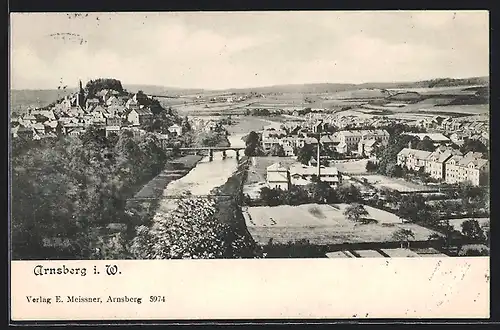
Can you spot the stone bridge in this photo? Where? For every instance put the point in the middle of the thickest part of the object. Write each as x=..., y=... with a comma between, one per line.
x=210, y=150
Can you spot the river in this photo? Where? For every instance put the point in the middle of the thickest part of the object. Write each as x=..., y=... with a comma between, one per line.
x=207, y=175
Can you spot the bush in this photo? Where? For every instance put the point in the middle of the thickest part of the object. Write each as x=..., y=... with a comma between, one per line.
x=371, y=166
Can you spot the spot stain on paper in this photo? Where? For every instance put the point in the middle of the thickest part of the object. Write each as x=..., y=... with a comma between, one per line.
x=465, y=271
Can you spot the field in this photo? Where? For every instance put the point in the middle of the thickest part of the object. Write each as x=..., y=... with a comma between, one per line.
x=479, y=109
x=246, y=124
x=380, y=181
x=352, y=166
x=448, y=90
x=323, y=224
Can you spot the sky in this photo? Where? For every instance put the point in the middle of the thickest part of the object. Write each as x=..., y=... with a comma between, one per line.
x=218, y=50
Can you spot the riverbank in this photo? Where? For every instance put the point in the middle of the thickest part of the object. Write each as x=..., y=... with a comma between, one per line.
x=145, y=202
x=228, y=202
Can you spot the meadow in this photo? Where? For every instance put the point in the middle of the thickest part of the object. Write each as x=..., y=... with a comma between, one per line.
x=323, y=224
x=381, y=181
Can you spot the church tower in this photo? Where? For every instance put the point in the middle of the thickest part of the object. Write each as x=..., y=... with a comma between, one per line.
x=80, y=97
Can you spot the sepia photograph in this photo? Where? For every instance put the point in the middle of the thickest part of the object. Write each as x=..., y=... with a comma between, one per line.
x=249, y=135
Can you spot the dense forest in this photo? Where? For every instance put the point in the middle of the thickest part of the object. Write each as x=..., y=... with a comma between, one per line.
x=69, y=188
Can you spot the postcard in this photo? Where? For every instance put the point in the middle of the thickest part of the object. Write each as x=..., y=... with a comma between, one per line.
x=249, y=165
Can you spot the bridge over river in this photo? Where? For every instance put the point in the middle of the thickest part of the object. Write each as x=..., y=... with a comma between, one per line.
x=210, y=150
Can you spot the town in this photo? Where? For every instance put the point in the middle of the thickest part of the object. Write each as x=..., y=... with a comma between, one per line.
x=375, y=173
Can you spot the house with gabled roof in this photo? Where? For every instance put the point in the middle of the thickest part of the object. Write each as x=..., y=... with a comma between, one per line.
x=412, y=159
x=278, y=176
x=470, y=167
x=435, y=165
x=367, y=147
x=142, y=116
x=90, y=103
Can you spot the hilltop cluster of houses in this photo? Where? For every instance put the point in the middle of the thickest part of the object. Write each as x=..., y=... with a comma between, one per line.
x=281, y=176
x=293, y=136
x=446, y=164
x=108, y=109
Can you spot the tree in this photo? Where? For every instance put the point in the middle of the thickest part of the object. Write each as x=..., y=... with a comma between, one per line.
x=252, y=143
x=355, y=212
x=426, y=144
x=403, y=235
x=186, y=126
x=190, y=231
x=320, y=192
x=277, y=151
x=305, y=153
x=413, y=207
x=394, y=170
x=296, y=195
x=271, y=197
x=348, y=193
x=475, y=146
x=472, y=230
x=94, y=86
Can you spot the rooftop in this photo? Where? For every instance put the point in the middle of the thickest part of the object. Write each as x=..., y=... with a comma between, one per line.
x=420, y=154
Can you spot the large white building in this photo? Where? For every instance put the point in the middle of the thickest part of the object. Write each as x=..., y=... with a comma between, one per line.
x=278, y=176
x=435, y=163
x=412, y=159
x=352, y=138
x=471, y=167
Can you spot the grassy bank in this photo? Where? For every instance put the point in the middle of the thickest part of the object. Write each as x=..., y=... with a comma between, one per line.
x=145, y=202
x=228, y=200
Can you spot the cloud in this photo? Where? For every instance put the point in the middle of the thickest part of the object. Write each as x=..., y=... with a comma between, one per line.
x=222, y=50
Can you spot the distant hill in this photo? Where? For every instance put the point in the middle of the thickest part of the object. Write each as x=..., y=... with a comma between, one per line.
x=438, y=82
x=297, y=88
x=339, y=87
x=21, y=99
x=162, y=90
x=24, y=98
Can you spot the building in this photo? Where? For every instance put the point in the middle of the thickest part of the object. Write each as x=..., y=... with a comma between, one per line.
x=470, y=167
x=351, y=138
x=132, y=104
x=91, y=103
x=458, y=138
x=278, y=177
x=269, y=142
x=412, y=159
x=112, y=129
x=142, y=116
x=436, y=138
x=319, y=126
x=175, y=129
x=435, y=164
x=112, y=119
x=367, y=147
x=300, y=172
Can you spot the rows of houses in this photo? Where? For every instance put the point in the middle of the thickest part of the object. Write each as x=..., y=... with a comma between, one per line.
x=281, y=176
x=474, y=127
x=446, y=164
x=294, y=137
